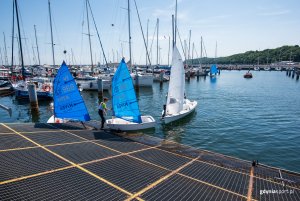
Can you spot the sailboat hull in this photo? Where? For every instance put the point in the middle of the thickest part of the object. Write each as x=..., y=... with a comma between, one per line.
x=123, y=125
x=188, y=108
x=40, y=95
x=53, y=120
x=92, y=85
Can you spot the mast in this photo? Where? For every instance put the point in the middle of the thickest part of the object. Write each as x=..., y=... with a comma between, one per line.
x=216, y=52
x=169, y=51
x=201, y=52
x=88, y=24
x=20, y=41
x=5, y=50
x=175, y=23
x=193, y=48
x=98, y=37
x=53, y=59
x=157, y=47
x=37, y=47
x=147, y=43
x=129, y=35
x=173, y=33
x=189, y=53
x=12, y=39
x=1, y=56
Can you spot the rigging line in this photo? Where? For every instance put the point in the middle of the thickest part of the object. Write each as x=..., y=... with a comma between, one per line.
x=25, y=37
x=137, y=11
x=153, y=39
x=82, y=26
x=180, y=42
x=97, y=33
x=12, y=38
x=1, y=59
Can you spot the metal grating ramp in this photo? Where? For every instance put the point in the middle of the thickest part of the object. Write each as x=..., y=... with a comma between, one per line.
x=50, y=138
x=82, y=152
x=66, y=162
x=126, y=172
x=70, y=184
x=12, y=141
x=181, y=188
x=26, y=162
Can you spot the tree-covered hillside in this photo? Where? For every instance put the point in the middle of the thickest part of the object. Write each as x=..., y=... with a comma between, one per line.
x=267, y=56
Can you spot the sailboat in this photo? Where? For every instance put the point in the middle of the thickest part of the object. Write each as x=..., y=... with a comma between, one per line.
x=68, y=103
x=213, y=70
x=177, y=105
x=126, y=110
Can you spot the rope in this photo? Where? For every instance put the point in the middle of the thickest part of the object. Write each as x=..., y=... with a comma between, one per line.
x=2, y=95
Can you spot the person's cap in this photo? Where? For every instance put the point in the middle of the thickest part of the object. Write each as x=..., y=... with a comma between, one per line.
x=105, y=98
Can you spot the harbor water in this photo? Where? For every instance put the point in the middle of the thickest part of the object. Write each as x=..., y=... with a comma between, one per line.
x=252, y=119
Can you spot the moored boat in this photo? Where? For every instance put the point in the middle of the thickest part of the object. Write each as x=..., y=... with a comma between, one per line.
x=68, y=103
x=177, y=106
x=126, y=110
x=248, y=75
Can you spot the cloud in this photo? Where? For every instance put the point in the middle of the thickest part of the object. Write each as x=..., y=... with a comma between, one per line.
x=275, y=13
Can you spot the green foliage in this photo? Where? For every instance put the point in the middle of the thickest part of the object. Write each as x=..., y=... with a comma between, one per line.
x=267, y=56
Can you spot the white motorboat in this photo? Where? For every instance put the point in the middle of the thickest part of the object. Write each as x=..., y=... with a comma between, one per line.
x=144, y=79
x=89, y=83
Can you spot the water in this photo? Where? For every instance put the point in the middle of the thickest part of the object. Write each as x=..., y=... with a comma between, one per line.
x=258, y=118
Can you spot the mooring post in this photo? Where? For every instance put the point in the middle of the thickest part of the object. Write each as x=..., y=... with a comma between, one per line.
x=188, y=74
x=293, y=75
x=297, y=76
x=100, y=88
x=136, y=82
x=33, y=96
x=161, y=77
x=287, y=72
x=219, y=71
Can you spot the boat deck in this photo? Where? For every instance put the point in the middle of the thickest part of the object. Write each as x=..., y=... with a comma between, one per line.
x=67, y=162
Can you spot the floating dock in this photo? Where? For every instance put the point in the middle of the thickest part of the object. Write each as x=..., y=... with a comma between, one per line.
x=68, y=162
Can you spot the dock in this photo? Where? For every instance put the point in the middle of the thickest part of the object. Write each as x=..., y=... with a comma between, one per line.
x=69, y=162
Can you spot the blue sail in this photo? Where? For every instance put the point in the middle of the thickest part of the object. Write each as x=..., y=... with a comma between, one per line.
x=68, y=103
x=213, y=69
x=124, y=100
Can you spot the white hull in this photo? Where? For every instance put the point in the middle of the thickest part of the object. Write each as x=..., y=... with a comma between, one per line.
x=123, y=125
x=92, y=85
x=53, y=120
x=188, y=107
x=144, y=80
x=156, y=78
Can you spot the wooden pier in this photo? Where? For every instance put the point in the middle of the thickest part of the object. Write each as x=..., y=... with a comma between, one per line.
x=67, y=162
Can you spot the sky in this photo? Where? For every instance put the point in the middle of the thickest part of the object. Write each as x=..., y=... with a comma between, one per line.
x=236, y=26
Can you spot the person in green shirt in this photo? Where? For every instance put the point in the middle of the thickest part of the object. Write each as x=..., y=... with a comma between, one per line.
x=102, y=109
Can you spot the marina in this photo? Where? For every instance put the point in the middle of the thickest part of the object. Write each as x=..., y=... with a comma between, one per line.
x=128, y=114
x=100, y=165
x=260, y=112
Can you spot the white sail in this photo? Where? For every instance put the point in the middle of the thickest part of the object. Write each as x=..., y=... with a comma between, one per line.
x=177, y=84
